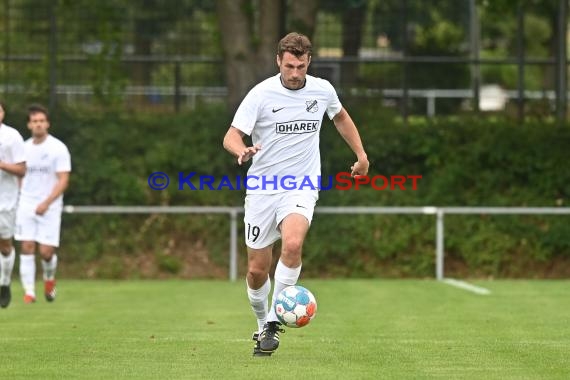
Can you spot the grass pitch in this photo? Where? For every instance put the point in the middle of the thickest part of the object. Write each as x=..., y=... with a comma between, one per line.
x=364, y=329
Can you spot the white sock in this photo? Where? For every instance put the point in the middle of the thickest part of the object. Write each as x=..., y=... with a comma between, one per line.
x=284, y=277
x=7, y=264
x=49, y=268
x=258, y=298
x=28, y=274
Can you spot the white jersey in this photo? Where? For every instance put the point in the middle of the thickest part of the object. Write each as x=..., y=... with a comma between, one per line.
x=12, y=151
x=286, y=123
x=44, y=161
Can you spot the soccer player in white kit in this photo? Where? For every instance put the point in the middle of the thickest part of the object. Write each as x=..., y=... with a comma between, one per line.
x=38, y=219
x=12, y=167
x=283, y=116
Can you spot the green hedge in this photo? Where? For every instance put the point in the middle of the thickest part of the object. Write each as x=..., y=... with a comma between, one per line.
x=463, y=161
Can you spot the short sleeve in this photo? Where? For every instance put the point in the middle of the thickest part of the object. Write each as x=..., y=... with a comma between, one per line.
x=63, y=160
x=18, y=149
x=334, y=106
x=247, y=112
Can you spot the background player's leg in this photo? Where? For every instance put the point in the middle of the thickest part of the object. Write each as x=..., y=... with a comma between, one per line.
x=28, y=270
x=49, y=266
x=7, y=258
x=7, y=255
x=48, y=233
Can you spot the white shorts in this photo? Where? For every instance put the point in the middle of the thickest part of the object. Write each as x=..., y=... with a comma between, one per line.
x=265, y=212
x=7, y=224
x=43, y=229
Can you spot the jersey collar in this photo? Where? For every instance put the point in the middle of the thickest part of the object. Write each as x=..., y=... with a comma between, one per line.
x=291, y=89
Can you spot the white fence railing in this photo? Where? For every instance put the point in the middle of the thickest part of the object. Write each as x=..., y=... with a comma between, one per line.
x=73, y=93
x=233, y=212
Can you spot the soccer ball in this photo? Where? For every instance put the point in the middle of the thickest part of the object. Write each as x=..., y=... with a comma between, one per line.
x=295, y=306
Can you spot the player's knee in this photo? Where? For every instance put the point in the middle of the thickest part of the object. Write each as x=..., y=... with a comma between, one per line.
x=258, y=275
x=46, y=256
x=28, y=248
x=5, y=246
x=46, y=252
x=292, y=247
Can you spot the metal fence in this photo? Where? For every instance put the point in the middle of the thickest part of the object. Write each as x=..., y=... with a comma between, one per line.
x=41, y=51
x=233, y=213
x=189, y=98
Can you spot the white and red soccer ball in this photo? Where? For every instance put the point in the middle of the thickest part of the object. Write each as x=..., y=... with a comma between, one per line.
x=295, y=306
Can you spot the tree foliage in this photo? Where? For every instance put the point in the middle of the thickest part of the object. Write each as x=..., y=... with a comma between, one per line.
x=244, y=33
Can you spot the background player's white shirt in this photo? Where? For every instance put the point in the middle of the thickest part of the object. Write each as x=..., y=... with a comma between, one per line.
x=287, y=124
x=43, y=162
x=12, y=151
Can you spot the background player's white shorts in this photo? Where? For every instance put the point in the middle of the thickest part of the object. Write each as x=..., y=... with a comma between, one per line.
x=43, y=229
x=264, y=213
x=7, y=223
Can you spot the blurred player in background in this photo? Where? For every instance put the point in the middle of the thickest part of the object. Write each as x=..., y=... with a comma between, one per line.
x=12, y=167
x=38, y=219
x=283, y=116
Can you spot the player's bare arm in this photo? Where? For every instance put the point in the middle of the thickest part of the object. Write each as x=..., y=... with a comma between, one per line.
x=18, y=169
x=233, y=143
x=58, y=189
x=347, y=129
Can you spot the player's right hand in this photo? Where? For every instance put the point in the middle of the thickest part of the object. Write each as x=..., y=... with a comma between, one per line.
x=42, y=208
x=248, y=153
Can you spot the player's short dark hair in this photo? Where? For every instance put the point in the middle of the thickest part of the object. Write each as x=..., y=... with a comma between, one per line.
x=296, y=44
x=37, y=108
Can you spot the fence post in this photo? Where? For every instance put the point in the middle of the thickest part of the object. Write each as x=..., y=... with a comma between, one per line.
x=561, y=66
x=52, y=56
x=405, y=94
x=233, y=245
x=474, y=50
x=430, y=103
x=177, y=80
x=439, y=246
x=520, y=62
x=6, y=36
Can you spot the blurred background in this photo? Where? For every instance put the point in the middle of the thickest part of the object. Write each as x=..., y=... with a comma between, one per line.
x=431, y=57
x=470, y=94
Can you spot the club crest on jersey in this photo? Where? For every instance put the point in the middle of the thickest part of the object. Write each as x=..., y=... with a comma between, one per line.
x=312, y=106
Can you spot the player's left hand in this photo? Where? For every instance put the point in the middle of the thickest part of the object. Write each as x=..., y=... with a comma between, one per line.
x=359, y=168
x=42, y=208
x=248, y=153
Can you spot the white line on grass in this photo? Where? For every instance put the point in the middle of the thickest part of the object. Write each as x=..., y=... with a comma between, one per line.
x=466, y=286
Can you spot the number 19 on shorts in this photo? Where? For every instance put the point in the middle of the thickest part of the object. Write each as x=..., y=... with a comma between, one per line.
x=252, y=233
